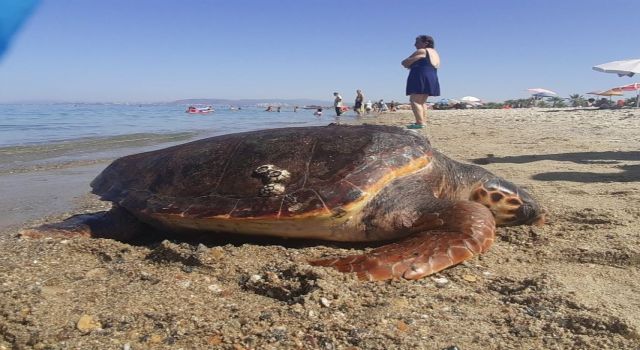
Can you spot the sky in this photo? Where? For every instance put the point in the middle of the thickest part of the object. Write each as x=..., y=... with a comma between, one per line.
x=165, y=50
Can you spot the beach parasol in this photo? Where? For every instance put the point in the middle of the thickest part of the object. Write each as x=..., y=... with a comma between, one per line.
x=630, y=87
x=540, y=92
x=447, y=101
x=610, y=92
x=622, y=68
x=470, y=99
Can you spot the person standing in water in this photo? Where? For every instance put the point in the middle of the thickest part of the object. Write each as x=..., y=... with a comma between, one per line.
x=357, y=106
x=423, y=78
x=337, y=103
x=368, y=106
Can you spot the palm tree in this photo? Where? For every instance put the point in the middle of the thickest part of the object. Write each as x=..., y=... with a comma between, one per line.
x=519, y=103
x=577, y=100
x=492, y=105
x=512, y=103
x=556, y=101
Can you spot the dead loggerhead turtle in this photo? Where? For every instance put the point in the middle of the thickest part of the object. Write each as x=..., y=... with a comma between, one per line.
x=337, y=183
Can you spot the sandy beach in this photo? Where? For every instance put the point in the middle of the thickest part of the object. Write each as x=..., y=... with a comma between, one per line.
x=570, y=284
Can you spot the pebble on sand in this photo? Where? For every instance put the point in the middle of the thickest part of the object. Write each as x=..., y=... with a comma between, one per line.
x=325, y=302
x=88, y=323
x=440, y=281
x=470, y=278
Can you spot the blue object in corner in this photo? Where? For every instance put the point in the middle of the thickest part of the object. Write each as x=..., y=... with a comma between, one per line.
x=12, y=14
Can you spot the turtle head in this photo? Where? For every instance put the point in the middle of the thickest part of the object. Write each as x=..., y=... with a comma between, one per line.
x=510, y=204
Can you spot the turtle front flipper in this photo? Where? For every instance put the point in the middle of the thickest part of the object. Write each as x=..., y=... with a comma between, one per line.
x=116, y=223
x=468, y=230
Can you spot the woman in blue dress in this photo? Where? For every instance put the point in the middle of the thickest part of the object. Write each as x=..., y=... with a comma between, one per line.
x=423, y=78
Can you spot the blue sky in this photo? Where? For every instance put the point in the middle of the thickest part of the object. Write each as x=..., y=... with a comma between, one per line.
x=161, y=50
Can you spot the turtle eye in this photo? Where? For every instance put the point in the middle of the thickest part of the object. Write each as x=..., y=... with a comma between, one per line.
x=496, y=196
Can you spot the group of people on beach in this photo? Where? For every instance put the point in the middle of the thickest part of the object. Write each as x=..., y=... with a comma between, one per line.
x=422, y=82
x=271, y=109
x=360, y=107
x=278, y=108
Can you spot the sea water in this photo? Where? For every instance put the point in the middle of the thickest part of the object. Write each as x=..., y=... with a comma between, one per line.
x=39, y=135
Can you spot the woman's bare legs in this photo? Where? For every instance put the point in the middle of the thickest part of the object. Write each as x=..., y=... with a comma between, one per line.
x=424, y=108
x=418, y=107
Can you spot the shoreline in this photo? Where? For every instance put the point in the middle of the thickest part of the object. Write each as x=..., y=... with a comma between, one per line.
x=571, y=283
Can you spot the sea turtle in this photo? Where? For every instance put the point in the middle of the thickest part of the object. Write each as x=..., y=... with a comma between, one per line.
x=338, y=183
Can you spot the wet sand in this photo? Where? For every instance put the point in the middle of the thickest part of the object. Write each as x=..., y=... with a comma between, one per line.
x=41, y=180
x=30, y=196
x=572, y=283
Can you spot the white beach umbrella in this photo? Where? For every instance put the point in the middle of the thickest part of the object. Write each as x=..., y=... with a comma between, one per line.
x=622, y=68
x=541, y=92
x=470, y=99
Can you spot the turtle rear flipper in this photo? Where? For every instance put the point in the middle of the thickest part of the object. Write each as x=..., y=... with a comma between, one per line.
x=468, y=230
x=116, y=224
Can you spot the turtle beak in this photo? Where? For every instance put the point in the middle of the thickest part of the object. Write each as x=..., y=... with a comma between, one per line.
x=530, y=214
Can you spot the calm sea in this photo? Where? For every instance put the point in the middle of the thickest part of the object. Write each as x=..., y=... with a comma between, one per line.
x=33, y=136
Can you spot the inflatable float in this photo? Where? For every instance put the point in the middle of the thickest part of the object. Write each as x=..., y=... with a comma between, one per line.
x=199, y=110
